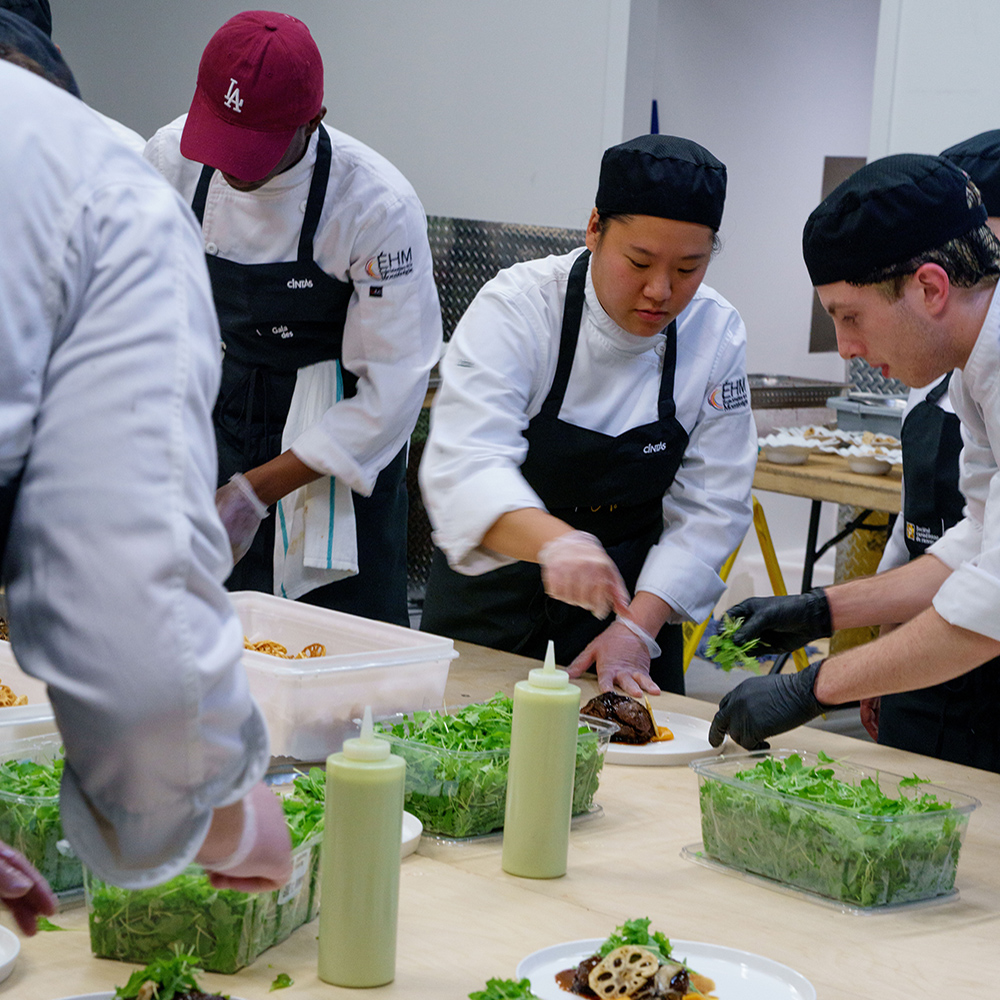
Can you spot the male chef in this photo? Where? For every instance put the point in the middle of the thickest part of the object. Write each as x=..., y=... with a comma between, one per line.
x=904, y=263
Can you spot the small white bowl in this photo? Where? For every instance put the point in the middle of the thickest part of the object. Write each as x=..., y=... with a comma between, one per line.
x=412, y=831
x=868, y=465
x=786, y=454
x=10, y=946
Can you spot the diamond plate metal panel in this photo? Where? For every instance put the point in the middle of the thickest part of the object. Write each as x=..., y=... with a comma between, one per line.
x=864, y=378
x=467, y=253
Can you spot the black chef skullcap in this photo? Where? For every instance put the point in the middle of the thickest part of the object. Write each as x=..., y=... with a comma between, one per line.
x=37, y=12
x=665, y=176
x=19, y=35
x=884, y=214
x=979, y=157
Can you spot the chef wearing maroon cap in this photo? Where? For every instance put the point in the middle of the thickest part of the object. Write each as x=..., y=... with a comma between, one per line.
x=322, y=274
x=592, y=437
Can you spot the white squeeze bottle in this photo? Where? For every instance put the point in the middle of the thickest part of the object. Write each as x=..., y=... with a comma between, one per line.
x=540, y=775
x=359, y=880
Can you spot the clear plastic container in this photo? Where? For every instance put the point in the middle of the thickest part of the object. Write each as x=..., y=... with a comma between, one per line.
x=461, y=793
x=311, y=704
x=225, y=929
x=31, y=823
x=860, y=860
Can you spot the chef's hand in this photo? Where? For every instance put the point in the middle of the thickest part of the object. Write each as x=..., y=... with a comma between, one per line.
x=23, y=890
x=621, y=657
x=241, y=513
x=783, y=624
x=262, y=861
x=869, y=716
x=577, y=570
x=763, y=706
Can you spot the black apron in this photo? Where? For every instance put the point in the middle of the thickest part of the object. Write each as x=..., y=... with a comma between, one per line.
x=8, y=497
x=610, y=486
x=276, y=319
x=956, y=720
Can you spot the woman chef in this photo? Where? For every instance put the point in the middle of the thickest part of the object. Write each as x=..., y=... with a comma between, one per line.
x=592, y=435
x=323, y=281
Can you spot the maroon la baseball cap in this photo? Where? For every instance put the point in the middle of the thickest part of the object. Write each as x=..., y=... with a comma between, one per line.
x=260, y=78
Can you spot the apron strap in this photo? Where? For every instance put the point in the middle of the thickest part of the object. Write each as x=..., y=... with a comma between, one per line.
x=667, y=407
x=317, y=195
x=572, y=314
x=939, y=390
x=201, y=193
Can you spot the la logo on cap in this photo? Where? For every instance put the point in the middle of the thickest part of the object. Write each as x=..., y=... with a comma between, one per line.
x=233, y=99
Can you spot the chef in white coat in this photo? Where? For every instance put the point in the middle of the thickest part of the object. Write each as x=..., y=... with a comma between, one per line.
x=955, y=720
x=112, y=551
x=323, y=281
x=904, y=262
x=592, y=436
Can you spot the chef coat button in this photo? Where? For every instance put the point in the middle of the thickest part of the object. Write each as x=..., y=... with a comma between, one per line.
x=302, y=206
x=661, y=348
x=211, y=248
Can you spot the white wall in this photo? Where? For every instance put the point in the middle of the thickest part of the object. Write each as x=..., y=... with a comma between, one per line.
x=936, y=75
x=493, y=111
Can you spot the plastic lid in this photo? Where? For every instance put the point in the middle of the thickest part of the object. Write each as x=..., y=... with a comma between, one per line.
x=548, y=676
x=366, y=746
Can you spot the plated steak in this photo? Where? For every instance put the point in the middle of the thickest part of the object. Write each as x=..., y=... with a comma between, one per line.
x=635, y=724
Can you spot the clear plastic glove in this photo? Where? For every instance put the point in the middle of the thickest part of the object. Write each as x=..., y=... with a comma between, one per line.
x=262, y=861
x=869, y=716
x=763, y=706
x=783, y=624
x=577, y=570
x=621, y=657
x=241, y=513
x=23, y=890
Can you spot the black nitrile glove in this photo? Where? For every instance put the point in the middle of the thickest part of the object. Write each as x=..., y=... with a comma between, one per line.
x=783, y=624
x=762, y=706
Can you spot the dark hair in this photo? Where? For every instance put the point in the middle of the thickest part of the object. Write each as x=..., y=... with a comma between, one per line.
x=605, y=218
x=9, y=54
x=968, y=259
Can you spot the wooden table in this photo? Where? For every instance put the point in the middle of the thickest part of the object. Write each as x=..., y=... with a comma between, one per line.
x=463, y=921
x=828, y=477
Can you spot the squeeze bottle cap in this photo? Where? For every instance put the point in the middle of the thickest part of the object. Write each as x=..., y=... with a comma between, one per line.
x=548, y=676
x=367, y=746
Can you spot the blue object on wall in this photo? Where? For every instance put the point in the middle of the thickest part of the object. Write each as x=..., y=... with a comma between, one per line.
x=654, y=120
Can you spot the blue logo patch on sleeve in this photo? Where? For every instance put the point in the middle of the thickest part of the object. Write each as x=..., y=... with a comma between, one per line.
x=730, y=396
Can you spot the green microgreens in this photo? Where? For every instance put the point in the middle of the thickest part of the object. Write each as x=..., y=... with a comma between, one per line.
x=727, y=654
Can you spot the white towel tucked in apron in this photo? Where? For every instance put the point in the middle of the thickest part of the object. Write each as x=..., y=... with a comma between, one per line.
x=315, y=541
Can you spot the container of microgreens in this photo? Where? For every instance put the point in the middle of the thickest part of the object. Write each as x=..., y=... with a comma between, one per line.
x=30, y=772
x=456, y=764
x=224, y=929
x=863, y=838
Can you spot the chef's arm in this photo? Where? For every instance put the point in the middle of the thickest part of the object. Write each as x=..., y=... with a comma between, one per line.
x=277, y=478
x=925, y=651
x=887, y=598
x=575, y=568
x=521, y=533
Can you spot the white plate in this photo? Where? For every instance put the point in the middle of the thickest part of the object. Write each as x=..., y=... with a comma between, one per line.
x=10, y=945
x=689, y=743
x=109, y=995
x=788, y=454
x=412, y=830
x=738, y=975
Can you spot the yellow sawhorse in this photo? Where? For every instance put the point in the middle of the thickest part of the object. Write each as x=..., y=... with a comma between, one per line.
x=693, y=633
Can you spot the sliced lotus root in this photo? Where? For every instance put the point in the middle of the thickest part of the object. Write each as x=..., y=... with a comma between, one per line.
x=623, y=971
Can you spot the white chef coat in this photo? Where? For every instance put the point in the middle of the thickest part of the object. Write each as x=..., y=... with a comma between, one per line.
x=116, y=553
x=499, y=368
x=896, y=553
x=372, y=231
x=970, y=597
